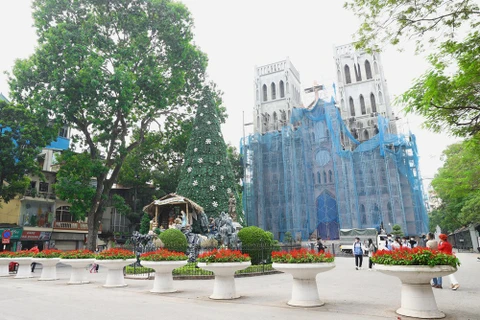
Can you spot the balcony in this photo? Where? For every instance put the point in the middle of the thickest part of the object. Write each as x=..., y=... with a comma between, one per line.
x=72, y=226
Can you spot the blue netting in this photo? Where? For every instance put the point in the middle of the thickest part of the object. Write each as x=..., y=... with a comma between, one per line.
x=302, y=180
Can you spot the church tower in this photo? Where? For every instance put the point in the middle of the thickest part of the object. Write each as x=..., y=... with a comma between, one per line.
x=362, y=91
x=277, y=92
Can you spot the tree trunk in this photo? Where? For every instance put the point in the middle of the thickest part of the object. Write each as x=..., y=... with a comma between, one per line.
x=93, y=226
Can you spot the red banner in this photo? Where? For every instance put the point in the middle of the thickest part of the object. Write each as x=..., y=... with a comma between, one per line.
x=35, y=235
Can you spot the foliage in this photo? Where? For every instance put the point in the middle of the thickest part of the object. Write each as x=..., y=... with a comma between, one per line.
x=108, y=69
x=163, y=255
x=386, y=21
x=288, y=237
x=174, y=240
x=237, y=167
x=447, y=95
x=257, y=243
x=23, y=254
x=115, y=254
x=145, y=224
x=138, y=270
x=301, y=256
x=457, y=186
x=5, y=254
x=397, y=230
x=207, y=176
x=223, y=255
x=49, y=253
x=23, y=134
x=77, y=254
x=416, y=256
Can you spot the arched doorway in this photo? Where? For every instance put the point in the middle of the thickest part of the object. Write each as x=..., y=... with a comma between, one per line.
x=327, y=217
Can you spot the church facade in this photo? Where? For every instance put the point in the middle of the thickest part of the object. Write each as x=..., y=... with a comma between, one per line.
x=316, y=169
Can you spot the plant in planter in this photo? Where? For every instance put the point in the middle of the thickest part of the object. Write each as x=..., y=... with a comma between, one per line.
x=415, y=268
x=24, y=260
x=223, y=263
x=114, y=260
x=303, y=265
x=79, y=260
x=163, y=262
x=49, y=259
x=5, y=261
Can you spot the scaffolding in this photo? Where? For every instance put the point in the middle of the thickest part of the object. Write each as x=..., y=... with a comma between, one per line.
x=303, y=179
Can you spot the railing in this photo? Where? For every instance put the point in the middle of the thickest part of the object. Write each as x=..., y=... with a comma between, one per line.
x=66, y=225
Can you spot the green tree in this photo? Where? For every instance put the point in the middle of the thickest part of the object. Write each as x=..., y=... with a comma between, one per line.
x=22, y=136
x=386, y=21
x=145, y=224
x=447, y=95
x=207, y=176
x=397, y=230
x=107, y=69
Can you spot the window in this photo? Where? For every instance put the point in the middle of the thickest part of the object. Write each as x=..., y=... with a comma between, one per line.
x=63, y=214
x=324, y=177
x=362, y=105
x=63, y=132
x=319, y=177
x=43, y=187
x=275, y=121
x=282, y=90
x=265, y=98
x=368, y=69
x=348, y=79
x=366, y=136
x=352, y=107
x=358, y=73
x=330, y=175
x=363, y=216
x=274, y=91
x=373, y=103
x=375, y=67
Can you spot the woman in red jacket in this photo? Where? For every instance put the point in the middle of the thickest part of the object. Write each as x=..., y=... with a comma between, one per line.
x=445, y=247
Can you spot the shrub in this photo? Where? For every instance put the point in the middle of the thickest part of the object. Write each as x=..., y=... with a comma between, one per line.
x=256, y=243
x=223, y=255
x=77, y=254
x=163, y=255
x=174, y=240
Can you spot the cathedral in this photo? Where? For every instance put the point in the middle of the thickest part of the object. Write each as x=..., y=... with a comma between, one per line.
x=334, y=164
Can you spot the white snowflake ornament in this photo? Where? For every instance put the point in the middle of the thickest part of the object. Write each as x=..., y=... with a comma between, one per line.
x=229, y=190
x=218, y=163
x=213, y=188
x=222, y=177
x=215, y=204
x=208, y=122
x=196, y=127
x=201, y=114
x=195, y=150
x=208, y=141
x=219, y=134
x=200, y=160
x=189, y=169
x=195, y=183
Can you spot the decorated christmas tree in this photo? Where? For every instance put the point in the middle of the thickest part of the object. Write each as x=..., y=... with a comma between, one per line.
x=207, y=176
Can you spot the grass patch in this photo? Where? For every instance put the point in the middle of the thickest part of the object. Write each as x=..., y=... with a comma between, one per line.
x=190, y=270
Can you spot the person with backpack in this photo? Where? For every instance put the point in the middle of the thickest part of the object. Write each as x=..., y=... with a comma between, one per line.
x=371, y=250
x=358, y=253
x=320, y=246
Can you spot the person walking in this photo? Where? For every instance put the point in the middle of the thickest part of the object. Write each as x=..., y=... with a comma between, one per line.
x=433, y=245
x=320, y=246
x=445, y=247
x=35, y=250
x=397, y=244
x=358, y=253
x=371, y=251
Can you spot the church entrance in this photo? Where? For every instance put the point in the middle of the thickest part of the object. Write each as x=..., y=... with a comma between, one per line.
x=327, y=217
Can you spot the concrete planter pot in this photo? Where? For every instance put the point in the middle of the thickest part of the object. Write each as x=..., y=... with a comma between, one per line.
x=79, y=270
x=49, y=268
x=304, y=288
x=417, y=299
x=115, y=278
x=24, y=268
x=4, y=263
x=224, y=285
x=163, y=282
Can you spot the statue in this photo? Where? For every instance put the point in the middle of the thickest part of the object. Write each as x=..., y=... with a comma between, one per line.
x=226, y=233
x=193, y=241
x=232, y=207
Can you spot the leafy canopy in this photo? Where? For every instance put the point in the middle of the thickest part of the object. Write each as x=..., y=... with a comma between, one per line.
x=107, y=69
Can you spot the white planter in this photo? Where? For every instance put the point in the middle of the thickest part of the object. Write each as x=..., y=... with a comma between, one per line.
x=49, y=268
x=4, y=263
x=304, y=288
x=115, y=277
x=417, y=294
x=79, y=270
x=163, y=282
x=224, y=285
x=24, y=268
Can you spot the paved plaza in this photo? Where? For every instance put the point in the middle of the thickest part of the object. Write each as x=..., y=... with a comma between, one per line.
x=347, y=293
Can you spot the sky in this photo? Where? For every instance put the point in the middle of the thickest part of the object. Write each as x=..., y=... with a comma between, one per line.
x=239, y=35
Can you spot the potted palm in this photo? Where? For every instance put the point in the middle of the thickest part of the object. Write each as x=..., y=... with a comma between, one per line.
x=163, y=262
x=223, y=263
x=303, y=265
x=114, y=260
x=79, y=260
x=49, y=259
x=5, y=261
x=415, y=268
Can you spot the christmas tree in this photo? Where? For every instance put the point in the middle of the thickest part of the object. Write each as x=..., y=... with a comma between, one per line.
x=207, y=175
